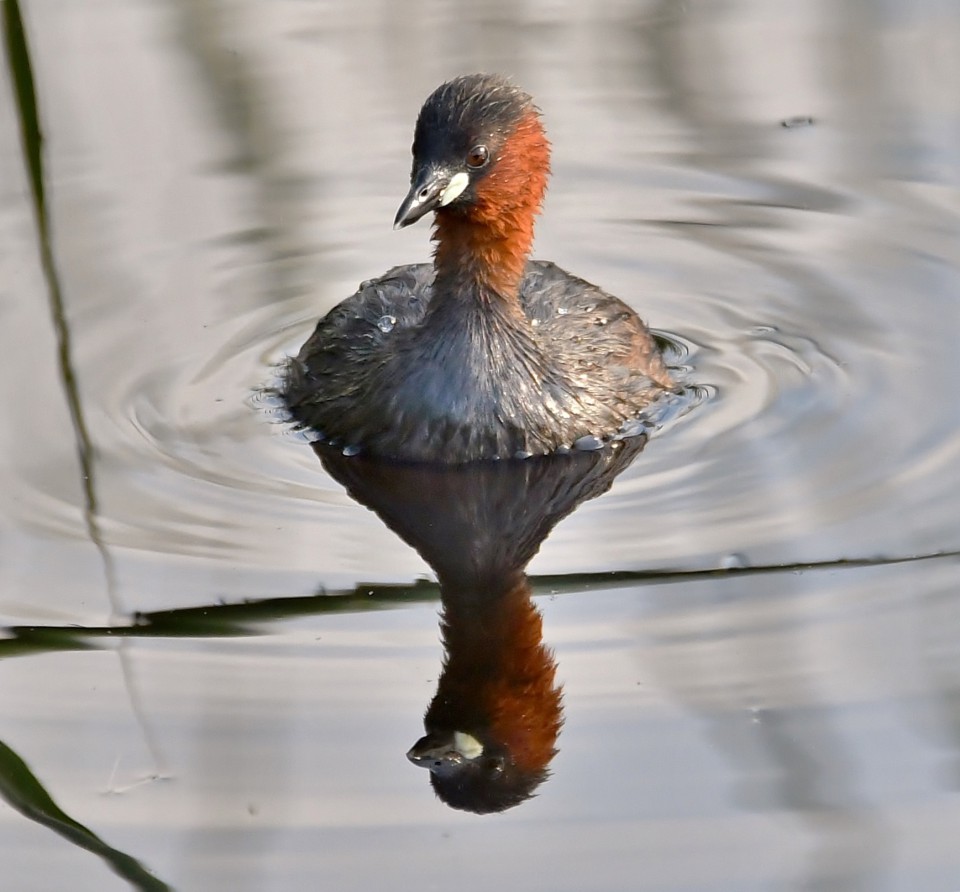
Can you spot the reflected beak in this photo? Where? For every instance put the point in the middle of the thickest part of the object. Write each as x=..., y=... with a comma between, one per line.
x=438, y=752
x=424, y=196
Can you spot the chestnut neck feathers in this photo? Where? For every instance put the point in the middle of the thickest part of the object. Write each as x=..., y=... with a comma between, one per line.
x=482, y=248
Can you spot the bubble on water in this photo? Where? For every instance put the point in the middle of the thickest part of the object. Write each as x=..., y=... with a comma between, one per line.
x=563, y=449
x=386, y=323
x=588, y=443
x=351, y=450
x=733, y=561
x=522, y=453
x=635, y=427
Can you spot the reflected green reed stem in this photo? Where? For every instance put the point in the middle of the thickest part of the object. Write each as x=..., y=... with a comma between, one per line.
x=23, y=792
x=25, y=96
x=17, y=785
x=254, y=617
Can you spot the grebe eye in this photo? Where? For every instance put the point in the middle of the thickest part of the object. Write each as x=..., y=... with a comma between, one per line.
x=477, y=156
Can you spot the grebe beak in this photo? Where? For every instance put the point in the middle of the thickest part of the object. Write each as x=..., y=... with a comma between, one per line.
x=426, y=194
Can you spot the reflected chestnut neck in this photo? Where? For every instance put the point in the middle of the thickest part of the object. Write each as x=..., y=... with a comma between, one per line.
x=498, y=673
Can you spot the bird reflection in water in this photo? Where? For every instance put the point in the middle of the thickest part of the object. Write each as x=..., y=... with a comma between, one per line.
x=491, y=729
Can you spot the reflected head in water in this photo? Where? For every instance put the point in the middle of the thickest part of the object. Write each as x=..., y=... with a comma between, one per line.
x=493, y=724
x=492, y=727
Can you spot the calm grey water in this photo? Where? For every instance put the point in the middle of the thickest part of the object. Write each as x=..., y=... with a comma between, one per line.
x=775, y=185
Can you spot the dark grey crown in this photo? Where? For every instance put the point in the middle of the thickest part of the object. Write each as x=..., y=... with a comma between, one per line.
x=466, y=111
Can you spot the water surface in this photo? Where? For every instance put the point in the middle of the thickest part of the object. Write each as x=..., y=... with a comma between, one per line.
x=773, y=187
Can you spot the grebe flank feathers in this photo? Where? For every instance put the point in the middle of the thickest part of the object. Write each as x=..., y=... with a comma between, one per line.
x=484, y=354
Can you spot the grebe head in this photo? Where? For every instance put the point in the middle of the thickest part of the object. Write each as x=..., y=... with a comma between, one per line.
x=479, y=152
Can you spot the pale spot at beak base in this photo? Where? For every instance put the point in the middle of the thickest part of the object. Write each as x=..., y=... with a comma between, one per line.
x=458, y=182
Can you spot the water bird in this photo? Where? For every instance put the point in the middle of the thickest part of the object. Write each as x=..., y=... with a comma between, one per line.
x=483, y=354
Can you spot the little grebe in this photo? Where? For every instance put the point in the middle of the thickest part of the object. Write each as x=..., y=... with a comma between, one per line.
x=484, y=354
